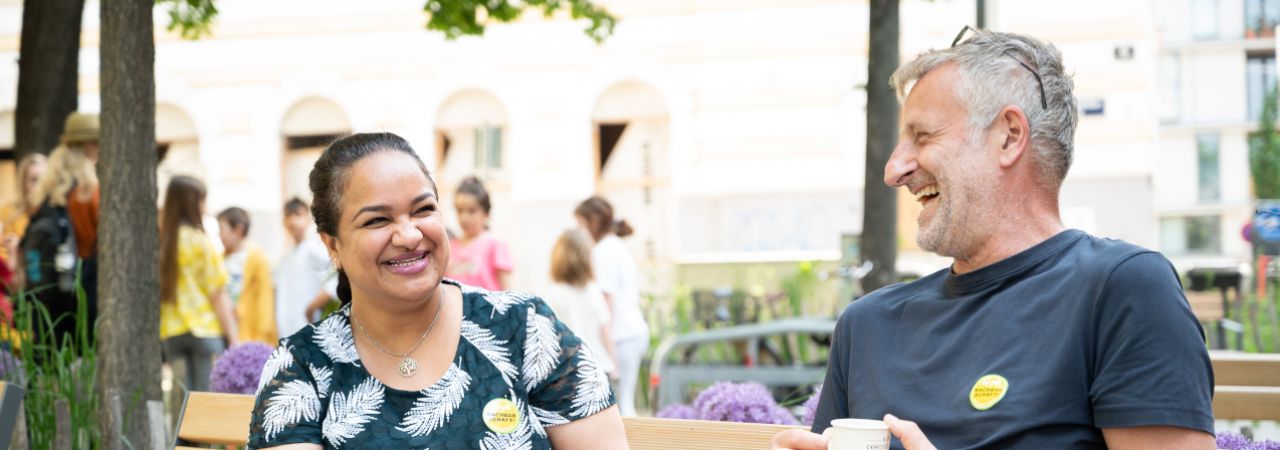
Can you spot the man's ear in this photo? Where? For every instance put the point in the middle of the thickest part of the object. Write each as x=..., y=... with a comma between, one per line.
x=1014, y=134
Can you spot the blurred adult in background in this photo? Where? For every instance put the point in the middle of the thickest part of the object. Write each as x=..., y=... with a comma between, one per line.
x=15, y=215
x=249, y=287
x=59, y=247
x=615, y=272
x=196, y=321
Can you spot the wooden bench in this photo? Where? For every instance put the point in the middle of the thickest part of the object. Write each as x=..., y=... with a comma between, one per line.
x=1248, y=388
x=1247, y=385
x=223, y=419
x=647, y=433
x=213, y=418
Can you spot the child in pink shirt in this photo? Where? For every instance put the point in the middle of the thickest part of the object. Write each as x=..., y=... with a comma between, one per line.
x=477, y=258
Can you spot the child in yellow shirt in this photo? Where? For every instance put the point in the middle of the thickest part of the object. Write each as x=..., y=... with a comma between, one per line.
x=250, y=287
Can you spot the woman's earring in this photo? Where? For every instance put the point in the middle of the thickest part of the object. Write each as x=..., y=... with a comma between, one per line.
x=337, y=265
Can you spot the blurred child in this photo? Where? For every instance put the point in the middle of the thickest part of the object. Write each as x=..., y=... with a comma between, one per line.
x=195, y=314
x=577, y=300
x=250, y=286
x=477, y=258
x=302, y=273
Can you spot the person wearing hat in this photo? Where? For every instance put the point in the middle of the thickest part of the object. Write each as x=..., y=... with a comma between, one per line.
x=70, y=181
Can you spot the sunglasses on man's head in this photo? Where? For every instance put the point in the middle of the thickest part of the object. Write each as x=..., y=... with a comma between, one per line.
x=1043, y=101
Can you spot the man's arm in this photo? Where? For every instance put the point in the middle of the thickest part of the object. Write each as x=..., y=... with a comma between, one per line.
x=1158, y=438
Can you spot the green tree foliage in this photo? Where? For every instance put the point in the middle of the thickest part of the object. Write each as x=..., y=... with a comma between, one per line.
x=1264, y=153
x=457, y=18
x=193, y=19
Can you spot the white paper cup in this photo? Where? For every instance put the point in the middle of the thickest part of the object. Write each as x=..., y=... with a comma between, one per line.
x=858, y=434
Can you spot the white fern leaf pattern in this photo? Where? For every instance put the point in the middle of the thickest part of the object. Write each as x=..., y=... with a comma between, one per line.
x=333, y=335
x=520, y=439
x=493, y=349
x=541, y=350
x=292, y=403
x=592, y=394
x=349, y=413
x=323, y=376
x=548, y=418
x=437, y=403
x=281, y=358
x=469, y=289
x=502, y=301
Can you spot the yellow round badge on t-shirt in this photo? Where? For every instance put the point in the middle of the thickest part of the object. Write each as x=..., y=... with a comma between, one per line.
x=988, y=391
x=501, y=415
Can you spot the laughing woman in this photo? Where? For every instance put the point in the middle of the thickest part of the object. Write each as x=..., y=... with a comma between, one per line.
x=414, y=360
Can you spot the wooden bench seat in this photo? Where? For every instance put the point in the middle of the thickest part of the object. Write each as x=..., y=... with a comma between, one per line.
x=1248, y=388
x=223, y=419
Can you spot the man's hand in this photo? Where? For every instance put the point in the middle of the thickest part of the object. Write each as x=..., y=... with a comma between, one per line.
x=907, y=432
x=799, y=440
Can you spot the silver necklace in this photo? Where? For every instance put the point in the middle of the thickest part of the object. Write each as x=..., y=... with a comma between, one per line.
x=408, y=366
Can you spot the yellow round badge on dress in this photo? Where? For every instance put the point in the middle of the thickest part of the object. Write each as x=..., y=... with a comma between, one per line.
x=501, y=415
x=988, y=391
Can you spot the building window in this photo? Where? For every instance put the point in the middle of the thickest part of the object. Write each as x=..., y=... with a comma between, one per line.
x=1207, y=167
x=1170, y=88
x=1260, y=73
x=1191, y=235
x=1204, y=19
x=488, y=147
x=1261, y=18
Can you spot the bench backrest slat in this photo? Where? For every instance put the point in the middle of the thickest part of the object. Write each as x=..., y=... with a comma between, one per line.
x=648, y=433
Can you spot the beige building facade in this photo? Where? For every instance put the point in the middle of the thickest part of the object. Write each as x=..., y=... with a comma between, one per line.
x=727, y=132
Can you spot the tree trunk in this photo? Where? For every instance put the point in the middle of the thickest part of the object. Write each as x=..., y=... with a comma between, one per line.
x=880, y=207
x=48, y=72
x=128, y=287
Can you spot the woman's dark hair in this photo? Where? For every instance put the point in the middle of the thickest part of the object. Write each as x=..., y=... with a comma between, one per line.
x=182, y=201
x=598, y=214
x=475, y=188
x=237, y=217
x=329, y=179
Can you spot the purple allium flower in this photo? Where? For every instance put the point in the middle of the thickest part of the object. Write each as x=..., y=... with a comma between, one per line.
x=811, y=406
x=239, y=368
x=678, y=411
x=1234, y=441
x=745, y=402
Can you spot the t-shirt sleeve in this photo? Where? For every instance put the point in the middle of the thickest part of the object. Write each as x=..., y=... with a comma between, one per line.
x=1150, y=367
x=501, y=257
x=606, y=270
x=833, y=400
x=212, y=270
x=596, y=304
x=562, y=377
x=288, y=408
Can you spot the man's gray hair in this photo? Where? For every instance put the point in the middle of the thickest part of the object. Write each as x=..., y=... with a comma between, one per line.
x=992, y=77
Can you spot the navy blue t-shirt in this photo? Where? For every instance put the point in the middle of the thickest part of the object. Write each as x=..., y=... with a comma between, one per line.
x=1077, y=333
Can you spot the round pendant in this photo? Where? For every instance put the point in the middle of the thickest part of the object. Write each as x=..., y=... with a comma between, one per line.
x=408, y=367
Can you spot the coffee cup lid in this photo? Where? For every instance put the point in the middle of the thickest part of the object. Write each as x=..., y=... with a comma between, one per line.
x=861, y=424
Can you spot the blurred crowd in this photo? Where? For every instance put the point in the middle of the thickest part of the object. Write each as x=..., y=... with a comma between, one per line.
x=217, y=294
